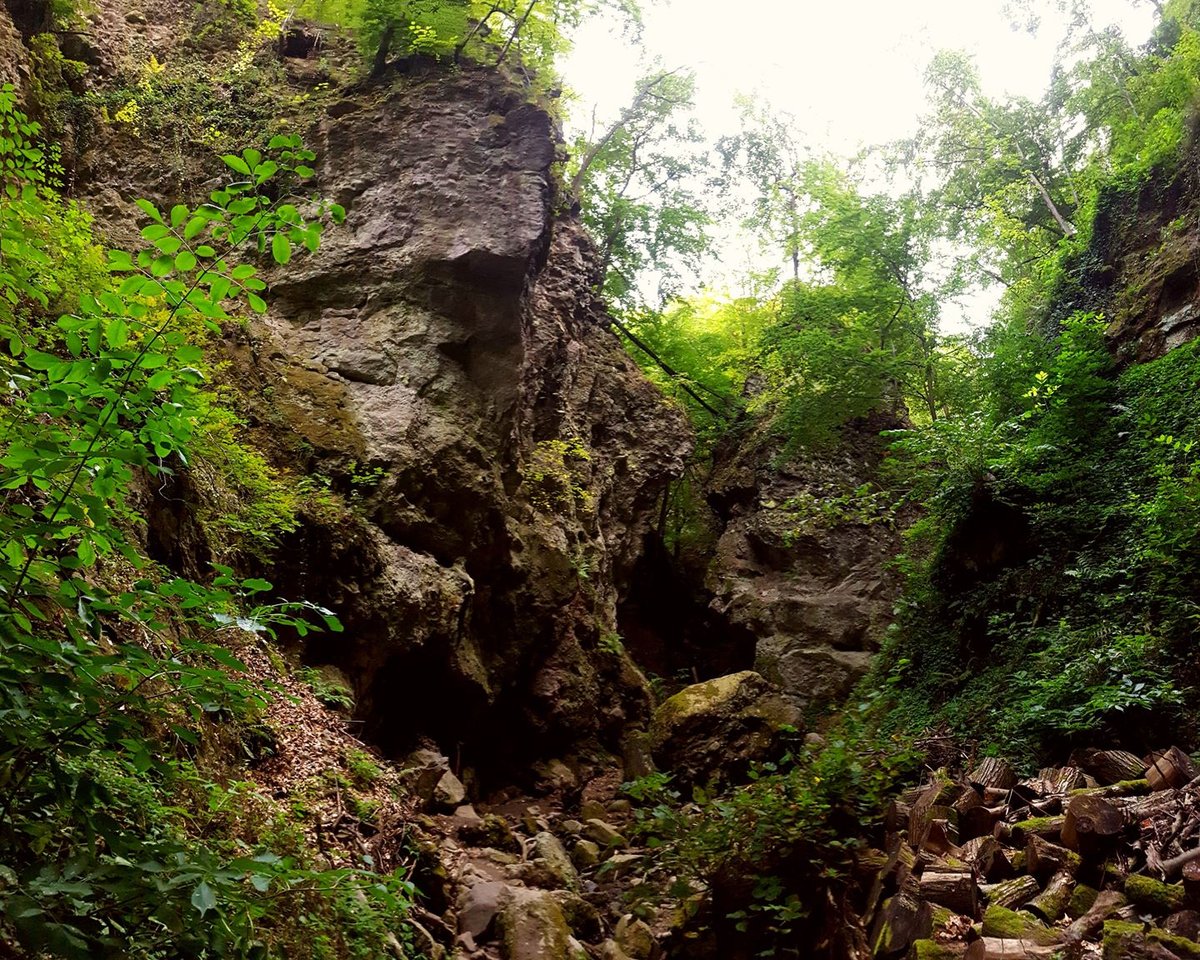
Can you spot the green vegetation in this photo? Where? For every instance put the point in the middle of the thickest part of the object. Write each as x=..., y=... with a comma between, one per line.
x=776, y=854
x=123, y=831
x=530, y=34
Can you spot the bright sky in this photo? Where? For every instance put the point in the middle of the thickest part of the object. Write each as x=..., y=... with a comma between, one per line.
x=849, y=72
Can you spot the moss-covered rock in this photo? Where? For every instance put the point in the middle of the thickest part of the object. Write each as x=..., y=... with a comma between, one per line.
x=719, y=727
x=532, y=927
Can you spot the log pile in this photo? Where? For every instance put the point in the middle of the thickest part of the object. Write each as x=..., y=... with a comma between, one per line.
x=1096, y=859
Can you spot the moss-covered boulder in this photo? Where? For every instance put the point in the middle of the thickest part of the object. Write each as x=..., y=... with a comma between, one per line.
x=532, y=927
x=717, y=729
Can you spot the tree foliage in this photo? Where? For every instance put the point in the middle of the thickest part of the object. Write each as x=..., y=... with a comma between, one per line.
x=116, y=677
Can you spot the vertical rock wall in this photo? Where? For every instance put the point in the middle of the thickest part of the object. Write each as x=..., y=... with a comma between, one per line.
x=445, y=359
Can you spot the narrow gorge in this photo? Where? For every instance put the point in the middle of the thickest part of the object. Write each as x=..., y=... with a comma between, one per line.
x=389, y=575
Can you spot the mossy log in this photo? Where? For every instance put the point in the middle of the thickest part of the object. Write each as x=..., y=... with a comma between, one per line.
x=1124, y=788
x=902, y=920
x=1083, y=898
x=1044, y=859
x=1008, y=924
x=932, y=950
x=1127, y=940
x=1051, y=903
x=1154, y=894
x=1013, y=893
x=1048, y=828
x=1104, y=907
x=990, y=948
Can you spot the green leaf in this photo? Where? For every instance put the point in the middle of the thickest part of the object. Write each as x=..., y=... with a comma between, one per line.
x=204, y=898
x=178, y=214
x=116, y=333
x=86, y=553
x=257, y=303
x=281, y=249
x=194, y=228
x=185, y=261
x=149, y=210
x=236, y=163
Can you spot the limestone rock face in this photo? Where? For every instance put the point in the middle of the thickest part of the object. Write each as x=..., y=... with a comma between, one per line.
x=445, y=365
x=450, y=339
x=801, y=564
x=717, y=728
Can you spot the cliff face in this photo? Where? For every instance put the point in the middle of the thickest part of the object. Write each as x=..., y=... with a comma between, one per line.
x=802, y=563
x=1141, y=266
x=450, y=339
x=445, y=360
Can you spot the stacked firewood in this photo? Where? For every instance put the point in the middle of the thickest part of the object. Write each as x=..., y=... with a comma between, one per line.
x=1100, y=858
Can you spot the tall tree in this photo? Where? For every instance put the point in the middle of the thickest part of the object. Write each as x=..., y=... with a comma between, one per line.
x=637, y=179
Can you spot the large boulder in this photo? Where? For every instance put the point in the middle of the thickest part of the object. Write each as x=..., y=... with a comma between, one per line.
x=717, y=729
x=533, y=927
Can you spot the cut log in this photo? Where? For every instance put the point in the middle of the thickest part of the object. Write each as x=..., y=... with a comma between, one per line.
x=1049, y=828
x=1191, y=882
x=1154, y=894
x=1170, y=768
x=1180, y=864
x=991, y=948
x=978, y=821
x=941, y=834
x=1104, y=907
x=932, y=804
x=1013, y=893
x=1111, y=766
x=1044, y=859
x=932, y=950
x=993, y=772
x=1055, y=781
x=1051, y=903
x=968, y=799
x=951, y=888
x=1091, y=825
x=896, y=817
x=987, y=858
x=1005, y=924
x=1185, y=923
x=903, y=919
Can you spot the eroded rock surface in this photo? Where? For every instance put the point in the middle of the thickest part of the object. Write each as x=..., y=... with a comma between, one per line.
x=445, y=365
x=802, y=563
x=450, y=339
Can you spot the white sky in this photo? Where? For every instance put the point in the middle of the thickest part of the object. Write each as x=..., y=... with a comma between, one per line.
x=849, y=72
